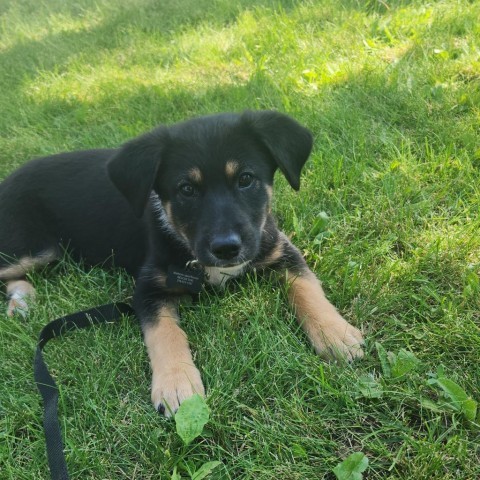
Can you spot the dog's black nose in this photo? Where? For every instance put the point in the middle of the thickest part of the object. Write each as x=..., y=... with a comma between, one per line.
x=226, y=247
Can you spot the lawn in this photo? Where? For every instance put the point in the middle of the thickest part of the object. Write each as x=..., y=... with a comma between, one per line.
x=387, y=216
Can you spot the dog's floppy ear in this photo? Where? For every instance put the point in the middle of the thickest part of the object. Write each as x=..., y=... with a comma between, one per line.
x=289, y=142
x=134, y=167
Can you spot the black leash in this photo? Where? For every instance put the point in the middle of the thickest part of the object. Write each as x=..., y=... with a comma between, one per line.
x=46, y=384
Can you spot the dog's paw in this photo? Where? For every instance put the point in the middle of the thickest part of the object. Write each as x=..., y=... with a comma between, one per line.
x=338, y=340
x=17, y=307
x=171, y=387
x=20, y=294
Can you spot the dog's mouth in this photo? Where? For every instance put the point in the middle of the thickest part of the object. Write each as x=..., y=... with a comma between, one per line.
x=219, y=264
x=228, y=266
x=210, y=262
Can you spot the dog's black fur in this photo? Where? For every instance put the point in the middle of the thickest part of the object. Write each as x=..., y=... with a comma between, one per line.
x=196, y=192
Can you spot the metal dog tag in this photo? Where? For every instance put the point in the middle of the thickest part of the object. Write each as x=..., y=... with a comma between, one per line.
x=190, y=279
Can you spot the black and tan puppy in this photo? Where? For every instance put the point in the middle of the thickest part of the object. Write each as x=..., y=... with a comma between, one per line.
x=177, y=207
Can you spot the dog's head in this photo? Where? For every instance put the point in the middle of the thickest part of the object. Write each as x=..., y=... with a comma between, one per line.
x=210, y=178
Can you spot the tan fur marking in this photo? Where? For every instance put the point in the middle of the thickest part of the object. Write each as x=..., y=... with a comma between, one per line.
x=174, y=375
x=231, y=168
x=195, y=175
x=177, y=228
x=19, y=268
x=20, y=293
x=269, y=190
x=275, y=254
x=331, y=335
x=167, y=206
x=161, y=279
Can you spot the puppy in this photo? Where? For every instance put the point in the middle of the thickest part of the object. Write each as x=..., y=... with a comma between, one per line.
x=178, y=207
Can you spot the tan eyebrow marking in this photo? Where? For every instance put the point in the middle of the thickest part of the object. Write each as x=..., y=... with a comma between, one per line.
x=269, y=190
x=167, y=206
x=231, y=168
x=195, y=175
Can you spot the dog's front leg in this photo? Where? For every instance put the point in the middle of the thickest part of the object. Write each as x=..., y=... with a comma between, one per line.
x=174, y=375
x=331, y=335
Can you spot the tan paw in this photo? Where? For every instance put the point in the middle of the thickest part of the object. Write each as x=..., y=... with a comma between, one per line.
x=20, y=294
x=17, y=306
x=172, y=386
x=338, y=341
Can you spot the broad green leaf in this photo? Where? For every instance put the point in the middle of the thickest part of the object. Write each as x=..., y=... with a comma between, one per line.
x=175, y=475
x=296, y=223
x=352, y=467
x=191, y=417
x=383, y=357
x=469, y=409
x=369, y=387
x=319, y=225
x=440, y=371
x=205, y=470
x=430, y=405
x=298, y=451
x=403, y=363
x=459, y=400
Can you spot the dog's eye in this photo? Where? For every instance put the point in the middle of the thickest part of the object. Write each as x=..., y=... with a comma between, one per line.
x=245, y=180
x=187, y=190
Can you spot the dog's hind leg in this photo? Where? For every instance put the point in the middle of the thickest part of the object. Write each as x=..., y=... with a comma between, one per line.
x=26, y=241
x=20, y=293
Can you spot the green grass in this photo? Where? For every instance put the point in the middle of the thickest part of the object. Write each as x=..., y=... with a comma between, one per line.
x=391, y=91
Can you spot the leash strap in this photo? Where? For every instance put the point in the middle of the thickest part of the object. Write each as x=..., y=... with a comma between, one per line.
x=46, y=384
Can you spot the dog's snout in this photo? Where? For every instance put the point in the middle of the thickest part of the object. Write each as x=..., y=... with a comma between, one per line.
x=226, y=247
